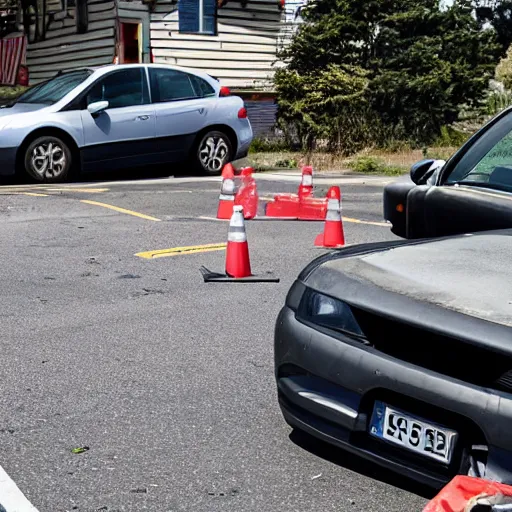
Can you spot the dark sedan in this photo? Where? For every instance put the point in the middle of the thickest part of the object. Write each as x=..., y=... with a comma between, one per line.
x=401, y=352
x=470, y=192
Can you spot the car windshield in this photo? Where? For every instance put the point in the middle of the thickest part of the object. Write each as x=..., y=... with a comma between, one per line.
x=55, y=89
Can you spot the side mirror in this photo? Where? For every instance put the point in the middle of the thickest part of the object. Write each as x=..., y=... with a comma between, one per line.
x=424, y=169
x=97, y=107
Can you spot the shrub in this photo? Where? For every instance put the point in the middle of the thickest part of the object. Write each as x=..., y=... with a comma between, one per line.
x=372, y=165
x=287, y=163
x=268, y=145
x=450, y=137
x=11, y=92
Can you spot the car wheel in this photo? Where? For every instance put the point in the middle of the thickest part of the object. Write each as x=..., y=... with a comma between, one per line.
x=213, y=152
x=48, y=159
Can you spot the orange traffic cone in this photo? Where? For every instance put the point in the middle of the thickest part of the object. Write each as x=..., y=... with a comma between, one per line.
x=247, y=194
x=306, y=185
x=238, y=264
x=227, y=193
x=333, y=235
x=237, y=253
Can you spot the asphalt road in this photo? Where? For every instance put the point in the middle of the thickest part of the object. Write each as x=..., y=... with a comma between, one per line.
x=167, y=381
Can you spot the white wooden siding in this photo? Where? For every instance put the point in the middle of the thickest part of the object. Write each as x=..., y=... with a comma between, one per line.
x=64, y=49
x=242, y=55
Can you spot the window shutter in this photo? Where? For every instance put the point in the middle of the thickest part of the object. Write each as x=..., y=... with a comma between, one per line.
x=210, y=16
x=188, y=13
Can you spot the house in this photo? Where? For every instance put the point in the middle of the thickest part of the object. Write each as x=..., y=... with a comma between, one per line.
x=235, y=41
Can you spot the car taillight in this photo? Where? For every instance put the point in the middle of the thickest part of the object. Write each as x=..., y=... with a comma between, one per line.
x=242, y=113
x=224, y=91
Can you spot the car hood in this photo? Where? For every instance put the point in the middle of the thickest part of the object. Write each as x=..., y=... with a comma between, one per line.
x=469, y=274
x=20, y=108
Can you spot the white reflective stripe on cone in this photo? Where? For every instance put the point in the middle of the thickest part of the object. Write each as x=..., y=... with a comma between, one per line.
x=333, y=204
x=228, y=187
x=237, y=236
x=307, y=180
x=224, y=197
x=236, y=232
x=333, y=215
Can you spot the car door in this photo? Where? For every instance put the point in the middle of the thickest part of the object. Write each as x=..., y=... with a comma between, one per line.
x=474, y=193
x=123, y=135
x=182, y=104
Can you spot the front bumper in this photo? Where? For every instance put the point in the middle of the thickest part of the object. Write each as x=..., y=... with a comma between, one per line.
x=327, y=387
x=8, y=161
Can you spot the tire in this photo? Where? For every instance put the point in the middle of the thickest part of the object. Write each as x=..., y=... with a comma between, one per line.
x=212, y=153
x=43, y=169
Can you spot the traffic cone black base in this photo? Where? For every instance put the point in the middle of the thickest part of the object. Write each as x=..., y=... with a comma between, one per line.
x=238, y=264
x=215, y=277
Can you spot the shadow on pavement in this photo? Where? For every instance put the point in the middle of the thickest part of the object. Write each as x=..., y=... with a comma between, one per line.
x=153, y=172
x=358, y=464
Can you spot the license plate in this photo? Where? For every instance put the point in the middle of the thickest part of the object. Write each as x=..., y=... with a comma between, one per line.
x=412, y=433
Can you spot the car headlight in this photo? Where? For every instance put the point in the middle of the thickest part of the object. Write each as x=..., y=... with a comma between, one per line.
x=327, y=312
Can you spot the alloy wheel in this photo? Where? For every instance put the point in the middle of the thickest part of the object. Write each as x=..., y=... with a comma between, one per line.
x=213, y=153
x=48, y=160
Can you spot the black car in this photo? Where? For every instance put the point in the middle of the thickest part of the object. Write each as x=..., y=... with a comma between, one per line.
x=401, y=352
x=471, y=192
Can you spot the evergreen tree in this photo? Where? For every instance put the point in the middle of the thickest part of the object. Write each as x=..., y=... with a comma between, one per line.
x=421, y=62
x=428, y=62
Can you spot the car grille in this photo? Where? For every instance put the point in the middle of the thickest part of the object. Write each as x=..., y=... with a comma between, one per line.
x=441, y=354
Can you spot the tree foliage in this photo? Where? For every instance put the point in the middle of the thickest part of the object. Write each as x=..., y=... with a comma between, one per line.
x=504, y=70
x=406, y=67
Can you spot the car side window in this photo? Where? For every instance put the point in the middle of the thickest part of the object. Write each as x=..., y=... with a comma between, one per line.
x=171, y=85
x=494, y=168
x=202, y=87
x=487, y=161
x=123, y=88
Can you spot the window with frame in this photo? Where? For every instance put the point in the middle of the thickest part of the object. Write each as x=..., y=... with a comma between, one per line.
x=488, y=162
x=198, y=16
x=202, y=87
x=173, y=85
x=124, y=88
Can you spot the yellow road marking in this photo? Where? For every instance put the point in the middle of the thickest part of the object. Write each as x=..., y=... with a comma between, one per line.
x=2, y=193
x=120, y=210
x=42, y=188
x=176, y=251
x=81, y=190
x=358, y=221
x=10, y=190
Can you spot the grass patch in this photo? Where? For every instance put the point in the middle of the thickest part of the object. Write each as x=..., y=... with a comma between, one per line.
x=274, y=145
x=388, y=162
x=374, y=165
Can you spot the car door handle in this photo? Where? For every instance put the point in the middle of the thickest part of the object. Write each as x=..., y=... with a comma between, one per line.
x=143, y=118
